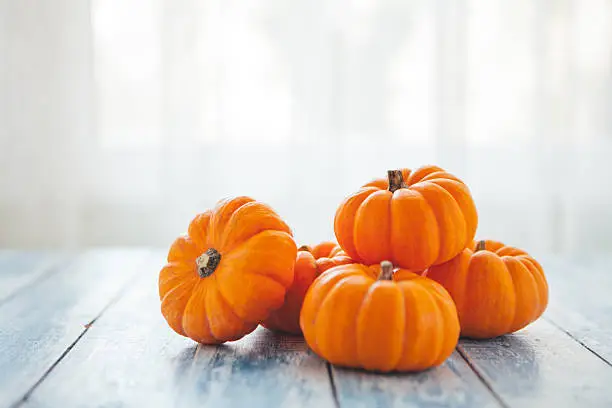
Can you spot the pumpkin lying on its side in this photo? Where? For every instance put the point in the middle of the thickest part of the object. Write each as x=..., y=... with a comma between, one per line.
x=230, y=271
x=370, y=317
x=497, y=289
x=310, y=263
x=414, y=219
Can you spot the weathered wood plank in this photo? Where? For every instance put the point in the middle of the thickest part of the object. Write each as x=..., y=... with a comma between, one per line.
x=541, y=366
x=453, y=384
x=130, y=357
x=580, y=301
x=264, y=369
x=42, y=322
x=20, y=269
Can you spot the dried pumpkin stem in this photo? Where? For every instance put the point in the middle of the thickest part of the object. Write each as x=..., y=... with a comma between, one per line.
x=386, y=271
x=208, y=262
x=396, y=180
x=480, y=246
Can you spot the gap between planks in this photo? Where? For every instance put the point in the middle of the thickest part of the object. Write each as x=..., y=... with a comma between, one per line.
x=480, y=376
x=577, y=340
x=332, y=384
x=135, y=276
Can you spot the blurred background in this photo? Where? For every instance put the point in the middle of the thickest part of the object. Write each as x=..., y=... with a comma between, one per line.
x=121, y=119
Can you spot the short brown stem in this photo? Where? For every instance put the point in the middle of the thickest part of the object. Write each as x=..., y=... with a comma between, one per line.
x=386, y=271
x=396, y=180
x=305, y=248
x=207, y=262
x=480, y=246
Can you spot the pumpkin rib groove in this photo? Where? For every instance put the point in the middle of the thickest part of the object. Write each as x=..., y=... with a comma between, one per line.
x=435, y=339
x=460, y=190
x=206, y=318
x=435, y=217
x=272, y=222
x=260, y=277
x=181, y=250
x=173, y=271
x=199, y=232
x=223, y=298
x=541, y=283
x=221, y=216
x=318, y=311
x=358, y=356
x=181, y=311
x=340, y=223
x=402, y=324
x=230, y=256
x=443, y=214
x=440, y=175
x=270, y=277
x=420, y=173
x=404, y=335
x=515, y=286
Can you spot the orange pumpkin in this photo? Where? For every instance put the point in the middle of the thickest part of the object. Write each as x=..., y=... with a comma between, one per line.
x=310, y=263
x=228, y=273
x=370, y=317
x=497, y=289
x=414, y=218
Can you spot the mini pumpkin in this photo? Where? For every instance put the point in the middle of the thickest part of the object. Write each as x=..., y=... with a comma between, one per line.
x=370, y=317
x=413, y=218
x=310, y=263
x=228, y=273
x=498, y=289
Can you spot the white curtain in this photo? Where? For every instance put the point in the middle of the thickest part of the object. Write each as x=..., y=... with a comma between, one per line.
x=121, y=119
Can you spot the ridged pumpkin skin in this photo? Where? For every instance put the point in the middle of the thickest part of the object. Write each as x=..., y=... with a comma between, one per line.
x=228, y=273
x=413, y=218
x=497, y=289
x=402, y=322
x=310, y=263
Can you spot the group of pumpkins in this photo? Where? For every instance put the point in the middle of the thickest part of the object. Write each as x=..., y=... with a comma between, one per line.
x=404, y=282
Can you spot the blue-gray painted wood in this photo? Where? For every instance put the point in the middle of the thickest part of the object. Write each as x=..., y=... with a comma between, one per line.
x=264, y=369
x=42, y=322
x=130, y=357
x=541, y=366
x=19, y=269
x=581, y=301
x=453, y=384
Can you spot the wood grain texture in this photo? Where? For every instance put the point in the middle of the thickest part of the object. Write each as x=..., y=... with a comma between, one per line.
x=581, y=301
x=264, y=369
x=18, y=269
x=453, y=384
x=130, y=357
x=541, y=366
x=42, y=322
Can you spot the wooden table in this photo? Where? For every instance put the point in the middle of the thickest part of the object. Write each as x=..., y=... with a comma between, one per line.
x=85, y=329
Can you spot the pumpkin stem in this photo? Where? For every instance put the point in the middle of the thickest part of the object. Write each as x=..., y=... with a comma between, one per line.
x=304, y=248
x=396, y=180
x=386, y=271
x=208, y=262
x=480, y=246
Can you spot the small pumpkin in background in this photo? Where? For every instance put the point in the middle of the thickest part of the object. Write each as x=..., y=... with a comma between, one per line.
x=498, y=289
x=415, y=219
x=310, y=263
x=374, y=318
x=228, y=273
